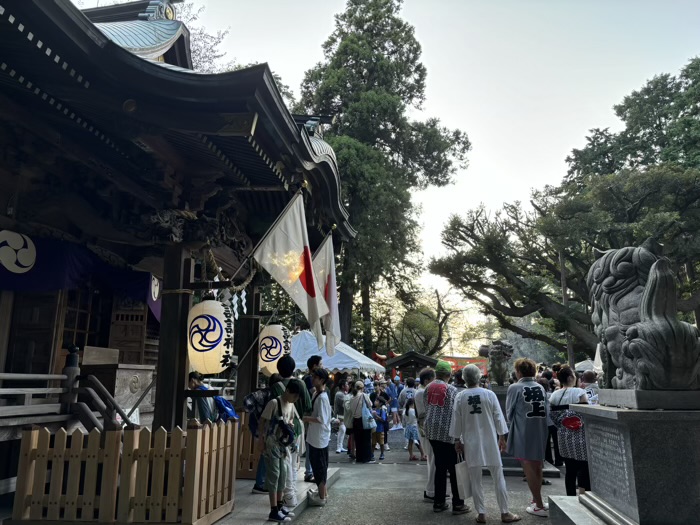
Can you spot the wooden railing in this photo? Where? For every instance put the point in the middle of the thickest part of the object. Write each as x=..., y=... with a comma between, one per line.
x=23, y=408
x=128, y=476
x=25, y=405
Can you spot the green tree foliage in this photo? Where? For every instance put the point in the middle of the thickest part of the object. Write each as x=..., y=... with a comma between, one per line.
x=426, y=326
x=370, y=77
x=621, y=189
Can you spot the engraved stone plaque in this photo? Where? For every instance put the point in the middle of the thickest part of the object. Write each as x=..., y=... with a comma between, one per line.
x=610, y=465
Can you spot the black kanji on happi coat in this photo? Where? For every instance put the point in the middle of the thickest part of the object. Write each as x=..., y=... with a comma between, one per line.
x=535, y=396
x=475, y=403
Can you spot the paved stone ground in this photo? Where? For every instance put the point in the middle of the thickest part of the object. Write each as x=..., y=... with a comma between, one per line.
x=391, y=493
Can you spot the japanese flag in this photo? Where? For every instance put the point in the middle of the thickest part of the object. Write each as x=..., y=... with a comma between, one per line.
x=324, y=266
x=285, y=254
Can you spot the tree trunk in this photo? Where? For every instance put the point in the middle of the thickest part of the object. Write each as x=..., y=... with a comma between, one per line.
x=366, y=319
x=346, y=303
x=565, y=303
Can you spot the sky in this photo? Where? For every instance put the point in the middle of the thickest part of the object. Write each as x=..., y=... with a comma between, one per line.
x=525, y=79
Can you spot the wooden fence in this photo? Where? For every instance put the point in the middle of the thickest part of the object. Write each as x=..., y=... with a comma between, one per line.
x=249, y=451
x=127, y=476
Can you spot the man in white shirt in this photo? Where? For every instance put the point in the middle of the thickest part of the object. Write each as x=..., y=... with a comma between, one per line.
x=478, y=421
x=318, y=436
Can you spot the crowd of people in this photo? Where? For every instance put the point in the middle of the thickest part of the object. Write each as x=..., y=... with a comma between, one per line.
x=447, y=418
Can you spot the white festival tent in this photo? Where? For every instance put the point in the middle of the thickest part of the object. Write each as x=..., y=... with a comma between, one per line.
x=585, y=366
x=345, y=359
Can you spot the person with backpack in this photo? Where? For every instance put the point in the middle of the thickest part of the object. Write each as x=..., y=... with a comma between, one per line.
x=278, y=438
x=286, y=367
x=203, y=408
x=319, y=437
x=212, y=409
x=254, y=404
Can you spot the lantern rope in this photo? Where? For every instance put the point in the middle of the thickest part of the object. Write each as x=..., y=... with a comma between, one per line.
x=211, y=260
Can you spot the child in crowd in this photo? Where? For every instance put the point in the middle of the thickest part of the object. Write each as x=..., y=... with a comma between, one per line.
x=380, y=416
x=277, y=436
x=410, y=423
x=319, y=436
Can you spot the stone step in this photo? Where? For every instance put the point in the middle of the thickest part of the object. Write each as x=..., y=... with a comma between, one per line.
x=252, y=509
x=303, y=494
x=567, y=510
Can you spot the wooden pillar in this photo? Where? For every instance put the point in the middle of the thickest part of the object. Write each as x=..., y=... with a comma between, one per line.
x=247, y=377
x=6, y=300
x=173, y=364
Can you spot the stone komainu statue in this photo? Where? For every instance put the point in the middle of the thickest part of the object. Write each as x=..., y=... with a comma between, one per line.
x=643, y=344
x=499, y=354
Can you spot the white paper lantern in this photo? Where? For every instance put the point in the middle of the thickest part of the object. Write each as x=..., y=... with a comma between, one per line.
x=210, y=337
x=275, y=341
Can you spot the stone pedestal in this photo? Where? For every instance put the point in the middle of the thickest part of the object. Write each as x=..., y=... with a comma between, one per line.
x=644, y=465
x=501, y=393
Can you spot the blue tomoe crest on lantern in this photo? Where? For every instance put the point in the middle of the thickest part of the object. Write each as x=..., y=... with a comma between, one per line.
x=274, y=343
x=270, y=349
x=206, y=333
x=210, y=337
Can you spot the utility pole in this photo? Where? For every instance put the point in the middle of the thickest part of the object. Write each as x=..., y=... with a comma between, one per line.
x=565, y=303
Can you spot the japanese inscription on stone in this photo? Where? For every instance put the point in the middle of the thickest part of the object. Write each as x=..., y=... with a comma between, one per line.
x=607, y=457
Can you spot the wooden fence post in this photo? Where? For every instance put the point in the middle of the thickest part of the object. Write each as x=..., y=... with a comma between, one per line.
x=228, y=463
x=175, y=457
x=92, y=458
x=110, y=476
x=142, y=470
x=57, y=465
x=158, y=477
x=214, y=466
x=233, y=445
x=204, y=472
x=190, y=497
x=36, y=512
x=127, y=476
x=25, y=473
x=75, y=462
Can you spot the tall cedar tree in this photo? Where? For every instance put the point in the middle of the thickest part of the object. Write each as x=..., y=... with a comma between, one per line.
x=370, y=78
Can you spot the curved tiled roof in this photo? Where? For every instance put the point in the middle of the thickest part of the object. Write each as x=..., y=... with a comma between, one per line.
x=146, y=39
x=321, y=147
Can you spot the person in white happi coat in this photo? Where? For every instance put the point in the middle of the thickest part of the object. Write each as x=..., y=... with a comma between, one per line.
x=477, y=419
